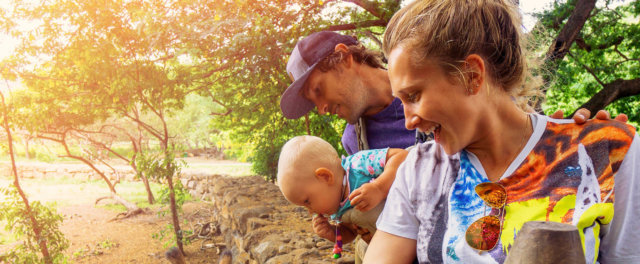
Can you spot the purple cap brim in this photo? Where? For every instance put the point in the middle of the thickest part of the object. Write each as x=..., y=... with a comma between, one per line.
x=292, y=103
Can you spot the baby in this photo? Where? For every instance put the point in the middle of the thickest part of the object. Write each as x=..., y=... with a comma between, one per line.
x=311, y=174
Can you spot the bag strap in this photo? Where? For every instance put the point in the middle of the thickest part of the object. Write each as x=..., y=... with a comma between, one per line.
x=361, y=135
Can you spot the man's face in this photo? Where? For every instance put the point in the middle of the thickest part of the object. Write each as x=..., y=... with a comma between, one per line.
x=338, y=92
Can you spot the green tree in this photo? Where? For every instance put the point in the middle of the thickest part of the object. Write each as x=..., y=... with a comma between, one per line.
x=98, y=60
x=593, y=60
x=36, y=225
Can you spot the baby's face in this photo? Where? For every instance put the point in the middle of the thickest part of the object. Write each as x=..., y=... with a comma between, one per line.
x=315, y=194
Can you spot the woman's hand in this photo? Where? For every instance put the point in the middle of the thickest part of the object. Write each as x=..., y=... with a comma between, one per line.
x=582, y=115
x=368, y=196
x=322, y=228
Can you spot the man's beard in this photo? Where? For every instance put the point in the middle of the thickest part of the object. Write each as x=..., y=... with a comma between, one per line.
x=353, y=117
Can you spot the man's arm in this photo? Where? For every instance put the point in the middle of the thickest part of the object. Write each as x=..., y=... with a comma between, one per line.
x=582, y=115
x=388, y=248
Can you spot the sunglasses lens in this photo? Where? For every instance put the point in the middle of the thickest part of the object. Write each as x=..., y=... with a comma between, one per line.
x=492, y=193
x=484, y=233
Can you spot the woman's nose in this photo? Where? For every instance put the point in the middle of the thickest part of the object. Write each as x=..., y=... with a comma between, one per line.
x=411, y=121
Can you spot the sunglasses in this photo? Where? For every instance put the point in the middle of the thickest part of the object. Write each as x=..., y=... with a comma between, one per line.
x=484, y=233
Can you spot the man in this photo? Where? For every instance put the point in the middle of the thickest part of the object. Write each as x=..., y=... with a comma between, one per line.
x=340, y=76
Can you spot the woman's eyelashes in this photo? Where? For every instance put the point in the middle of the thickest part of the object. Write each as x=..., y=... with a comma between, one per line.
x=411, y=97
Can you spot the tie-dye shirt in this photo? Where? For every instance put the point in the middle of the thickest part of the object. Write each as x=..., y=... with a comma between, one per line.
x=566, y=173
x=360, y=168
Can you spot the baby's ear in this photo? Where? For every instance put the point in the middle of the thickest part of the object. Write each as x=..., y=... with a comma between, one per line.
x=324, y=175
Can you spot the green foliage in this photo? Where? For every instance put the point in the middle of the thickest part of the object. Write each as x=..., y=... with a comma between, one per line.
x=158, y=166
x=249, y=60
x=190, y=125
x=607, y=49
x=181, y=195
x=13, y=211
x=165, y=235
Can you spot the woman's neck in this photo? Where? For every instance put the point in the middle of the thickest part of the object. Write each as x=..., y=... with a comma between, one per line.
x=503, y=131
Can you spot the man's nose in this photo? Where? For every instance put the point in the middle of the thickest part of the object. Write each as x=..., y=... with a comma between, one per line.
x=322, y=108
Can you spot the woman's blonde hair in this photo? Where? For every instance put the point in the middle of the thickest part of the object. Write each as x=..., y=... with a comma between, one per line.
x=447, y=31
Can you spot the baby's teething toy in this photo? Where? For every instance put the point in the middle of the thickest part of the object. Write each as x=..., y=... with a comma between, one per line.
x=337, y=248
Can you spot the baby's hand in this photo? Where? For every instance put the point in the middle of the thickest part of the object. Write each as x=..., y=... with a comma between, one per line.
x=368, y=196
x=322, y=228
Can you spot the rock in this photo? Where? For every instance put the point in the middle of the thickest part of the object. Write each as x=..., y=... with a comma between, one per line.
x=200, y=189
x=191, y=184
x=307, y=254
x=346, y=260
x=322, y=245
x=264, y=251
x=252, y=239
x=242, y=215
x=284, y=249
x=242, y=258
x=255, y=223
x=281, y=259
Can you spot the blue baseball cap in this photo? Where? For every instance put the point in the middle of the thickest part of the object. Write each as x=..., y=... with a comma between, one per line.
x=303, y=60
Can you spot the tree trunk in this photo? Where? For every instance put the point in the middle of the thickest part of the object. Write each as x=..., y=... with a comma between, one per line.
x=144, y=179
x=16, y=182
x=26, y=148
x=150, y=197
x=174, y=214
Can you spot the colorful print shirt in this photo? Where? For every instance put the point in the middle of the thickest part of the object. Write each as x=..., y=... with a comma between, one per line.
x=361, y=168
x=566, y=173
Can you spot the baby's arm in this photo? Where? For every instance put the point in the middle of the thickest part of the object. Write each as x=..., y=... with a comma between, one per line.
x=369, y=195
x=325, y=230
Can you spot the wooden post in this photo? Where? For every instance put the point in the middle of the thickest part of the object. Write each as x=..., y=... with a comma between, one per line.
x=546, y=242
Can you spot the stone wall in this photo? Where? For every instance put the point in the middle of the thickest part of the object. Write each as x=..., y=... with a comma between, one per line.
x=258, y=224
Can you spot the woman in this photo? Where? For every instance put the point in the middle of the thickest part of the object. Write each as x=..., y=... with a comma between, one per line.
x=456, y=65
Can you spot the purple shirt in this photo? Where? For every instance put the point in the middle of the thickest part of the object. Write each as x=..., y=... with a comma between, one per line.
x=384, y=130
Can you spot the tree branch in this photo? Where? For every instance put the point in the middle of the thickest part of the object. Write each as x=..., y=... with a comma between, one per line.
x=583, y=45
x=363, y=24
x=373, y=37
x=569, y=31
x=589, y=70
x=220, y=103
x=610, y=92
x=366, y=5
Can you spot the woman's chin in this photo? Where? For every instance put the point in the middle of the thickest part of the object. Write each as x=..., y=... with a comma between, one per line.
x=450, y=149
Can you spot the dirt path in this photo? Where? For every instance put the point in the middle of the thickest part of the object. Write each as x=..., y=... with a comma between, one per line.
x=93, y=239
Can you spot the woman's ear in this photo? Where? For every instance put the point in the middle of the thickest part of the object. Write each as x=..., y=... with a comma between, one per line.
x=324, y=175
x=475, y=70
